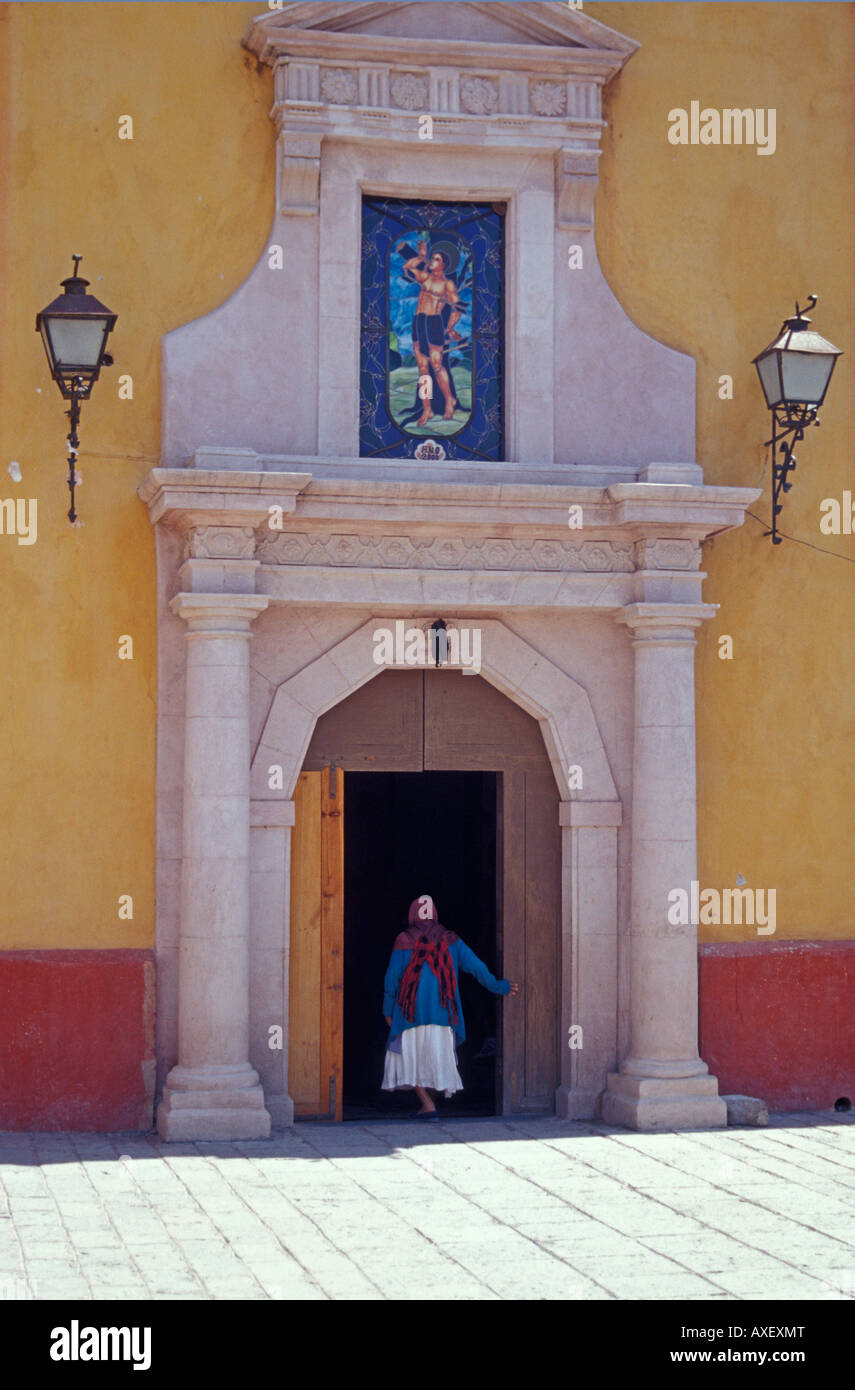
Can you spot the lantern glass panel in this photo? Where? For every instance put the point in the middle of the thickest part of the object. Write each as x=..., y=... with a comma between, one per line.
x=770, y=380
x=77, y=342
x=806, y=376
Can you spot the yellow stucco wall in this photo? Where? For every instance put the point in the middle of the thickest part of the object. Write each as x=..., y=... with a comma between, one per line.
x=169, y=224
x=705, y=247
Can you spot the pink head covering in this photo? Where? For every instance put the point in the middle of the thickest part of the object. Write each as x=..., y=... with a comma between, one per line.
x=422, y=910
x=428, y=941
x=422, y=920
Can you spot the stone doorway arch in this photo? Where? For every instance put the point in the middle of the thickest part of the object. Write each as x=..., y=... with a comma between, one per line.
x=559, y=704
x=589, y=820
x=234, y=927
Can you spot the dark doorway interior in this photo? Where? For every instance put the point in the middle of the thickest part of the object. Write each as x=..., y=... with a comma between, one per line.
x=407, y=833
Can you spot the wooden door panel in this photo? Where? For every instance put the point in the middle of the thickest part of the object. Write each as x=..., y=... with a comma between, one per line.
x=379, y=726
x=433, y=721
x=332, y=939
x=470, y=726
x=512, y=870
x=317, y=934
x=542, y=935
x=304, y=1054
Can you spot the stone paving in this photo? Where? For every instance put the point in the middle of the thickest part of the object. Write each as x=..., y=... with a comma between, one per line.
x=488, y=1209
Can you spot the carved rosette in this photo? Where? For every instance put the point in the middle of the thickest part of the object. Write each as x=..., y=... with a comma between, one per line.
x=409, y=92
x=392, y=552
x=597, y=555
x=479, y=96
x=339, y=86
x=548, y=98
x=301, y=85
x=220, y=543
x=446, y=553
x=667, y=554
x=498, y=555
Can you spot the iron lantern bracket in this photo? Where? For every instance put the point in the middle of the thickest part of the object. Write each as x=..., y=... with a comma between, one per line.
x=789, y=423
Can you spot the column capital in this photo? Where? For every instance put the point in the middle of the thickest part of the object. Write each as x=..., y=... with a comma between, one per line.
x=218, y=612
x=219, y=559
x=664, y=622
x=220, y=542
x=590, y=814
x=272, y=814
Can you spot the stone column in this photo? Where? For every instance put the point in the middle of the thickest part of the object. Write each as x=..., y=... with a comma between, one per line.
x=663, y=1083
x=271, y=824
x=213, y=1092
x=589, y=953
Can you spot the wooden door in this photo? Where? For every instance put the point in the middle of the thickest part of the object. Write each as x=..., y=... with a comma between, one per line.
x=317, y=945
x=444, y=721
x=468, y=724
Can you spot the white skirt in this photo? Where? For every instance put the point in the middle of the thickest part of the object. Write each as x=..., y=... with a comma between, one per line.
x=427, y=1058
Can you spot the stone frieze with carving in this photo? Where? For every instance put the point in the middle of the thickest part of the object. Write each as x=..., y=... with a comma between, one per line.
x=452, y=553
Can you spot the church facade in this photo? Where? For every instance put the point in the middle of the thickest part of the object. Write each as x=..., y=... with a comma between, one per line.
x=431, y=549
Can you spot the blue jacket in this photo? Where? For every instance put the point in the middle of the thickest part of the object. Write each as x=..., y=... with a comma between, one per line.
x=428, y=1007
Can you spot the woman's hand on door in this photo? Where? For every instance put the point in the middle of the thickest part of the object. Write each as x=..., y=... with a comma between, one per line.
x=515, y=989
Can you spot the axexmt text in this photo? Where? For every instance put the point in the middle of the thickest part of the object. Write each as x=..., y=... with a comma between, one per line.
x=796, y=1330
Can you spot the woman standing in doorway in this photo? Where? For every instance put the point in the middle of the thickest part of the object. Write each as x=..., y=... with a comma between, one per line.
x=422, y=1006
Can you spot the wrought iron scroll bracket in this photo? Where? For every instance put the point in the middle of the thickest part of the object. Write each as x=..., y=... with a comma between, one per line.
x=789, y=423
x=73, y=414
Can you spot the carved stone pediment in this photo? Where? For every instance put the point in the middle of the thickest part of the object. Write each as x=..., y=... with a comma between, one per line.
x=494, y=73
x=547, y=25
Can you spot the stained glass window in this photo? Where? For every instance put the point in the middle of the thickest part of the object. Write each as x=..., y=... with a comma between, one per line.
x=431, y=372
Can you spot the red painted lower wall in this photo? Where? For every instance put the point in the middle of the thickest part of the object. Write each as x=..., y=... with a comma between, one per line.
x=777, y=1020
x=77, y=1040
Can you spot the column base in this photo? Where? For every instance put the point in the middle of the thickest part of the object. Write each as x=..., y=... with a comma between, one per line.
x=573, y=1104
x=646, y=1103
x=281, y=1110
x=212, y=1103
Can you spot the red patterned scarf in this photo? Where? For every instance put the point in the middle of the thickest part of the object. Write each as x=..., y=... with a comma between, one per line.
x=429, y=942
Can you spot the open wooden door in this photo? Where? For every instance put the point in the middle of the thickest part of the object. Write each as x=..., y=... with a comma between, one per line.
x=317, y=945
x=433, y=721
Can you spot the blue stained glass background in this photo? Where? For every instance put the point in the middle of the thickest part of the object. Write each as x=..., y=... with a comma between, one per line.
x=473, y=235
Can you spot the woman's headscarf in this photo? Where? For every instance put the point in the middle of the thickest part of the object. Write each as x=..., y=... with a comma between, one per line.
x=429, y=942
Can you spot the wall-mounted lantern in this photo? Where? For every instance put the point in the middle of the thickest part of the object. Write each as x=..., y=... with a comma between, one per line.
x=75, y=327
x=439, y=642
x=794, y=372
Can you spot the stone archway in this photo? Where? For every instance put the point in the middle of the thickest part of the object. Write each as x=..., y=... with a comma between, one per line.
x=559, y=704
x=589, y=820
x=235, y=873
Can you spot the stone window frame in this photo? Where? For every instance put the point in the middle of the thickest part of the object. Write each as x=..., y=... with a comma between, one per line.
x=346, y=177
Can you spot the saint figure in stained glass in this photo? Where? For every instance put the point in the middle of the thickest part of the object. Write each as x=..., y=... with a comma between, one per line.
x=431, y=355
x=433, y=328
